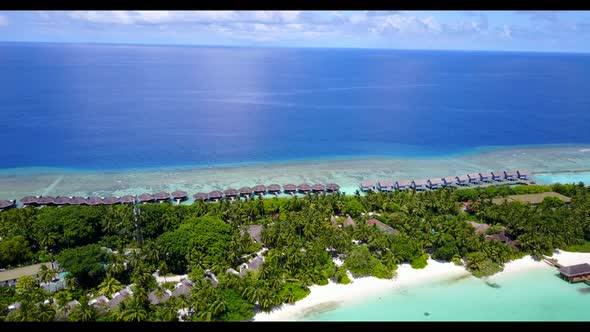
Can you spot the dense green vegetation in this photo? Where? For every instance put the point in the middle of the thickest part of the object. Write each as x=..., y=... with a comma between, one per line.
x=301, y=242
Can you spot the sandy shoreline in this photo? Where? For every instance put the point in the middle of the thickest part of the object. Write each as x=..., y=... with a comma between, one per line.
x=328, y=297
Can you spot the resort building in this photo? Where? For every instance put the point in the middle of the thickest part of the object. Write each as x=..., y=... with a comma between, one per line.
x=245, y=191
x=255, y=232
x=348, y=222
x=230, y=193
x=179, y=195
x=449, y=181
x=435, y=183
x=215, y=195
x=304, y=188
x=575, y=273
x=259, y=189
x=534, y=199
x=8, y=278
x=419, y=185
x=162, y=196
x=474, y=178
x=498, y=175
x=318, y=188
x=7, y=204
x=145, y=198
x=368, y=185
x=403, y=185
x=386, y=185
x=332, y=187
x=127, y=199
x=289, y=188
x=485, y=176
x=155, y=299
x=523, y=175
x=274, y=189
x=511, y=175
x=200, y=196
x=183, y=288
x=479, y=228
x=382, y=226
x=462, y=180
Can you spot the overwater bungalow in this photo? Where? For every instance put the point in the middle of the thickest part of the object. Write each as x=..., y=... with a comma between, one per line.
x=145, y=198
x=462, y=180
x=386, y=185
x=62, y=200
x=318, y=187
x=304, y=188
x=419, y=185
x=485, y=176
x=289, y=188
x=575, y=273
x=474, y=178
x=200, y=196
x=46, y=200
x=179, y=195
x=435, y=183
x=274, y=188
x=523, y=175
x=230, y=193
x=403, y=185
x=162, y=196
x=511, y=175
x=94, y=200
x=6, y=204
x=127, y=199
x=368, y=185
x=259, y=189
x=331, y=187
x=245, y=191
x=449, y=181
x=498, y=175
x=78, y=201
x=215, y=195
x=110, y=200
x=29, y=200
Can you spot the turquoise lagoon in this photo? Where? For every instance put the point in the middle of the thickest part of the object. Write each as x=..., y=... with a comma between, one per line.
x=533, y=295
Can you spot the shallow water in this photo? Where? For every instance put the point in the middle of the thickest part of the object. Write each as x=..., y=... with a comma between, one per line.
x=535, y=295
x=16, y=183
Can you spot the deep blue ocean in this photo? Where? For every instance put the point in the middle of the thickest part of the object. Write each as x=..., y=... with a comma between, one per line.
x=90, y=107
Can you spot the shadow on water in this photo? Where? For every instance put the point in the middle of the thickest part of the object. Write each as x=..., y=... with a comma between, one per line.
x=492, y=284
x=320, y=308
x=585, y=290
x=456, y=279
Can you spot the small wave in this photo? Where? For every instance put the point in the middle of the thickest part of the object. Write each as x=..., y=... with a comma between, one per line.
x=584, y=150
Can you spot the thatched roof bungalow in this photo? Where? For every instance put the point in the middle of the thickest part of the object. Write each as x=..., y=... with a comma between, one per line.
x=486, y=176
x=162, y=196
x=348, y=222
x=575, y=273
x=402, y=184
x=6, y=204
x=523, y=175
x=289, y=188
x=449, y=181
x=479, y=228
x=498, y=175
x=183, y=288
x=304, y=187
x=46, y=200
x=94, y=200
x=110, y=200
x=462, y=180
x=78, y=201
x=368, y=185
x=386, y=185
x=155, y=299
x=435, y=183
x=255, y=232
x=200, y=196
x=62, y=200
x=382, y=226
x=179, y=194
x=318, y=187
x=215, y=194
x=230, y=193
x=127, y=199
x=332, y=187
x=511, y=175
x=419, y=184
x=474, y=178
x=245, y=191
x=259, y=189
x=144, y=198
x=274, y=188
x=29, y=200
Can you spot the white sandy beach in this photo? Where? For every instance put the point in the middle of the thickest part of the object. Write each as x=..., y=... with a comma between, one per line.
x=331, y=295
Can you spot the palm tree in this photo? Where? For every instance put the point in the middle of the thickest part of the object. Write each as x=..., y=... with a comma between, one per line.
x=46, y=274
x=116, y=265
x=71, y=281
x=84, y=312
x=45, y=313
x=134, y=311
x=109, y=286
